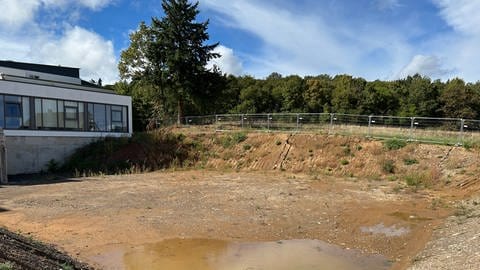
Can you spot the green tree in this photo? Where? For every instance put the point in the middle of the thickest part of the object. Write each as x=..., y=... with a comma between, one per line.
x=318, y=94
x=379, y=99
x=460, y=100
x=171, y=54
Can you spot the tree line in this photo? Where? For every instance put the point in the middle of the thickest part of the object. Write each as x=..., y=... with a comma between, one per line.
x=164, y=70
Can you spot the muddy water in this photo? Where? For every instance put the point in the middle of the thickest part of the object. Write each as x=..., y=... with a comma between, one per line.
x=201, y=254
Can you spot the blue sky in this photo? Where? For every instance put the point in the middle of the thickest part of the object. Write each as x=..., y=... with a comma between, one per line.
x=374, y=39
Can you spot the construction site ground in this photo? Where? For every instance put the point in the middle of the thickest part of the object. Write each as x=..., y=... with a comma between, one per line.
x=261, y=193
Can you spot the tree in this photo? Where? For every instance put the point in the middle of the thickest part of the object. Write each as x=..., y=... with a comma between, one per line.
x=171, y=54
x=460, y=100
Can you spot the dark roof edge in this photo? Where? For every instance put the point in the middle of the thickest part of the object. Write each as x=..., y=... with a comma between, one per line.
x=18, y=79
x=50, y=69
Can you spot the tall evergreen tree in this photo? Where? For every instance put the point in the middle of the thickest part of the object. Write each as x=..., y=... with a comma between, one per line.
x=171, y=54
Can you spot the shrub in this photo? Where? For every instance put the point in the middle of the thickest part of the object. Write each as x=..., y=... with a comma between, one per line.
x=414, y=180
x=239, y=137
x=344, y=162
x=394, y=144
x=388, y=166
x=410, y=161
x=278, y=142
x=247, y=147
x=6, y=266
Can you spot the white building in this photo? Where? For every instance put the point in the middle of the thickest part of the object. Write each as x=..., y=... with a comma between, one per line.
x=47, y=112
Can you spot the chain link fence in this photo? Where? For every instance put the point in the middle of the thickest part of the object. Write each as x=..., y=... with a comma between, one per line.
x=451, y=131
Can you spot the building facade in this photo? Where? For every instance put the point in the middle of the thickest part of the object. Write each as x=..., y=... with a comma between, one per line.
x=47, y=112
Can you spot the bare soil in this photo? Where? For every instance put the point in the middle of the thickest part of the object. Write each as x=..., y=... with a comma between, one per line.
x=19, y=252
x=279, y=187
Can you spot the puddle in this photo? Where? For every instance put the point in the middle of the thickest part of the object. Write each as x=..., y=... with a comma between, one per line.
x=201, y=254
x=392, y=231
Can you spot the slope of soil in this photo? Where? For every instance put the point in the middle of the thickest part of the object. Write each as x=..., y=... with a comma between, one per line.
x=348, y=191
x=18, y=252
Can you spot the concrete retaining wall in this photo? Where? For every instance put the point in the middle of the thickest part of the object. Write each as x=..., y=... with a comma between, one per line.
x=32, y=154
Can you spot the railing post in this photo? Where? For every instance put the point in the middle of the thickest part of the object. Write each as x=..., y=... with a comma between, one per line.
x=332, y=115
x=461, y=137
x=412, y=124
x=298, y=120
x=268, y=122
x=369, y=125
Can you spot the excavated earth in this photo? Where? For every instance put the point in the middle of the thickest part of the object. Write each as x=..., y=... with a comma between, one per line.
x=417, y=206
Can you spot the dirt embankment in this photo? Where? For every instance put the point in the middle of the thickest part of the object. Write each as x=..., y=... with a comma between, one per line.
x=19, y=252
x=352, y=192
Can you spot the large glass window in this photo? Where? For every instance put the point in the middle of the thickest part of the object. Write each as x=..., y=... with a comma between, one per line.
x=49, y=113
x=18, y=112
x=71, y=114
x=99, y=115
x=2, y=110
x=26, y=112
x=117, y=119
x=13, y=112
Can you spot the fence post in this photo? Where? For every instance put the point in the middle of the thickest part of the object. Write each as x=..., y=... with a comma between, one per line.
x=241, y=120
x=298, y=120
x=369, y=125
x=461, y=137
x=332, y=115
x=268, y=122
x=412, y=124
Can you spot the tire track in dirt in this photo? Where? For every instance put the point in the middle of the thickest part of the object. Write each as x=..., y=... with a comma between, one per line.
x=284, y=153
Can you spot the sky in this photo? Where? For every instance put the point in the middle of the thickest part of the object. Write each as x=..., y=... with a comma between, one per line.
x=373, y=39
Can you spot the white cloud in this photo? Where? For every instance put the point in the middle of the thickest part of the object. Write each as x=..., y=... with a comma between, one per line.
x=228, y=62
x=459, y=47
x=430, y=66
x=80, y=48
x=68, y=45
x=16, y=13
x=461, y=14
x=309, y=43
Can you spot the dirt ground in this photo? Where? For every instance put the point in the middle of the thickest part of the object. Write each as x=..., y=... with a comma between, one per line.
x=88, y=217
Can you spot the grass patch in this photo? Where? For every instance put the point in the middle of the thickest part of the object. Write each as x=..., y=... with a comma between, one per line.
x=344, y=162
x=410, y=161
x=388, y=166
x=6, y=266
x=146, y=151
x=394, y=144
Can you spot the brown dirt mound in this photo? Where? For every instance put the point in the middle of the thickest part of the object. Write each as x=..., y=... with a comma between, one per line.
x=19, y=252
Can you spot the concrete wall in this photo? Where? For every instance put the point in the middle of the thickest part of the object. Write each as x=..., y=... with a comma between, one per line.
x=32, y=154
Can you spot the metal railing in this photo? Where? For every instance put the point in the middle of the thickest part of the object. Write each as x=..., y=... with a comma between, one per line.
x=452, y=131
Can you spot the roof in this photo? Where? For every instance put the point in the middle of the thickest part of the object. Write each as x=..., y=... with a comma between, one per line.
x=57, y=70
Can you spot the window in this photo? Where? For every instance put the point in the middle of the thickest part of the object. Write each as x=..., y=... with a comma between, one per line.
x=117, y=123
x=99, y=115
x=2, y=111
x=26, y=112
x=71, y=115
x=19, y=112
x=13, y=112
x=49, y=113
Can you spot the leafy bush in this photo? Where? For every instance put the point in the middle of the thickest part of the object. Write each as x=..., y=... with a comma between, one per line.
x=414, y=180
x=230, y=140
x=388, y=166
x=394, y=144
x=344, y=162
x=410, y=161
x=6, y=266
x=143, y=152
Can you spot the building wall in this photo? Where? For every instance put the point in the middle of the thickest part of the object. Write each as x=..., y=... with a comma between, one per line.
x=27, y=154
